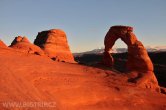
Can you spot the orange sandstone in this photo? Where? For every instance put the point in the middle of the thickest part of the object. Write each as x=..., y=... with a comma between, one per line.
x=55, y=45
x=23, y=44
x=139, y=65
x=2, y=44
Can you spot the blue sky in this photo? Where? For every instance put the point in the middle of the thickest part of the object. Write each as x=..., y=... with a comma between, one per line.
x=84, y=21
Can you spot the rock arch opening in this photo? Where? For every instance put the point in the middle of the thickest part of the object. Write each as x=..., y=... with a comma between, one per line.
x=119, y=52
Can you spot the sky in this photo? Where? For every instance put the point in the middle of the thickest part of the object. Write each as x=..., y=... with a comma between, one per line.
x=85, y=22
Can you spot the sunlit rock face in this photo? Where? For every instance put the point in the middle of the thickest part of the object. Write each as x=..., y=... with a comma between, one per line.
x=23, y=44
x=139, y=66
x=2, y=44
x=19, y=39
x=55, y=45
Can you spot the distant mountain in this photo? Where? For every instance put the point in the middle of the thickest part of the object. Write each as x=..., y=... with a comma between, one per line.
x=101, y=50
x=95, y=51
x=156, y=49
x=121, y=50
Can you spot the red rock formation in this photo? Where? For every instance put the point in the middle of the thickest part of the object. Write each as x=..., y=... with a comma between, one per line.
x=2, y=44
x=139, y=65
x=19, y=39
x=55, y=45
x=24, y=45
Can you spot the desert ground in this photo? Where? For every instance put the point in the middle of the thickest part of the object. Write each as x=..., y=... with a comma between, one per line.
x=71, y=86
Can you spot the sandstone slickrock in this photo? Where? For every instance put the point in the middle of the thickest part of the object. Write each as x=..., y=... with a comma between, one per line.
x=55, y=45
x=2, y=44
x=24, y=45
x=139, y=66
x=37, y=83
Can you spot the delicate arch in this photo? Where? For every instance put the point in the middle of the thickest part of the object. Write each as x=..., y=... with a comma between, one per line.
x=137, y=54
x=139, y=65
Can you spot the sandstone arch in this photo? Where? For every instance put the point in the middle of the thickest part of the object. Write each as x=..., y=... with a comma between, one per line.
x=139, y=66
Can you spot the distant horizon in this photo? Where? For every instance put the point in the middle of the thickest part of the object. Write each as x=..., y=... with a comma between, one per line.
x=146, y=46
x=85, y=22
